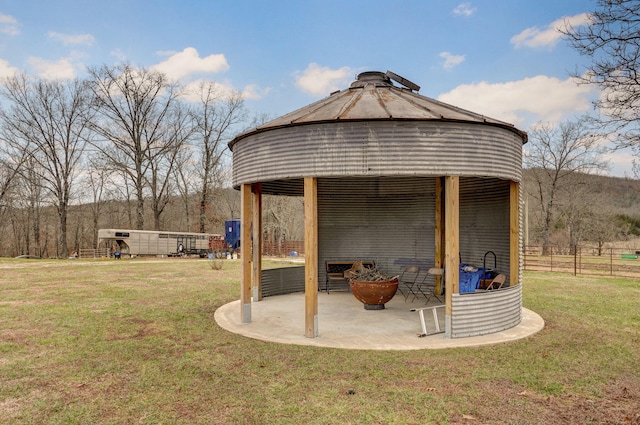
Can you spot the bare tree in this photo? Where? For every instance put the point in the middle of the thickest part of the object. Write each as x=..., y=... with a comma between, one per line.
x=283, y=218
x=133, y=107
x=611, y=40
x=216, y=117
x=164, y=159
x=32, y=203
x=95, y=182
x=554, y=154
x=48, y=119
x=11, y=161
x=185, y=185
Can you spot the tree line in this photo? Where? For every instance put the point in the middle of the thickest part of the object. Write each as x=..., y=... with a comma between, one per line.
x=128, y=146
x=122, y=134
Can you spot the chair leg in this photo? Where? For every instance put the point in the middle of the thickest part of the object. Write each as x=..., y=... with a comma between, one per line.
x=405, y=293
x=429, y=292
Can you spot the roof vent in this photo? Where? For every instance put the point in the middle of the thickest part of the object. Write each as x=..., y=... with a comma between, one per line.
x=378, y=79
x=372, y=77
x=401, y=80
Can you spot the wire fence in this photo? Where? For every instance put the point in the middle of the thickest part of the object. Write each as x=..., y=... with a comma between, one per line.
x=283, y=248
x=583, y=260
x=94, y=253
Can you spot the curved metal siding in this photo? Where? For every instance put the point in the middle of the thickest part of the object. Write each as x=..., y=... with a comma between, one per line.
x=488, y=312
x=520, y=235
x=377, y=148
x=380, y=219
x=285, y=280
x=484, y=222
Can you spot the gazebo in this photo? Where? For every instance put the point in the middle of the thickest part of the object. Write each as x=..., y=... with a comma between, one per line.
x=390, y=175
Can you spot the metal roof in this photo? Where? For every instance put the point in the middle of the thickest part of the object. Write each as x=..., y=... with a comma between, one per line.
x=373, y=96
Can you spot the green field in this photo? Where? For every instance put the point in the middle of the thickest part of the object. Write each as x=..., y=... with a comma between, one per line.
x=135, y=342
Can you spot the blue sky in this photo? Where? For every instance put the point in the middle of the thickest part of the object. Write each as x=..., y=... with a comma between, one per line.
x=500, y=58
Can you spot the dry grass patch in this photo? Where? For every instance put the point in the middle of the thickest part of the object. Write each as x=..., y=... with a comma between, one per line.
x=135, y=341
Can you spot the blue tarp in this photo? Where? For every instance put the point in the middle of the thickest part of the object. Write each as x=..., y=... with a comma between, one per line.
x=469, y=281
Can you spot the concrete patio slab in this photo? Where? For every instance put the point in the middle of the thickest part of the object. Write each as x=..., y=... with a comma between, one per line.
x=344, y=323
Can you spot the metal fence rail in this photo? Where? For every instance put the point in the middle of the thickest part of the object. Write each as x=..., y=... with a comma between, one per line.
x=94, y=253
x=583, y=260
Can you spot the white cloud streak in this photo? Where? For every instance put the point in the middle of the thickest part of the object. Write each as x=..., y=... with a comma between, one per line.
x=523, y=102
x=450, y=60
x=187, y=62
x=8, y=25
x=322, y=80
x=464, y=9
x=68, y=39
x=61, y=69
x=6, y=70
x=225, y=90
x=549, y=36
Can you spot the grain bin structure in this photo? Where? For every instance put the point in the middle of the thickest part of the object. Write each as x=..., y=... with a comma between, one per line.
x=390, y=175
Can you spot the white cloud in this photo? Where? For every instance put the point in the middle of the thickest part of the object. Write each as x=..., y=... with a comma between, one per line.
x=464, y=9
x=192, y=90
x=8, y=25
x=53, y=70
x=620, y=162
x=182, y=64
x=119, y=55
x=7, y=70
x=252, y=92
x=86, y=39
x=322, y=80
x=550, y=35
x=523, y=102
x=451, y=60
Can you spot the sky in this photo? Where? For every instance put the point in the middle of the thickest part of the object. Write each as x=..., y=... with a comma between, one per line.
x=501, y=58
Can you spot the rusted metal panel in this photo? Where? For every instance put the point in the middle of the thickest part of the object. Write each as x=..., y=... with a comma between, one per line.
x=378, y=148
x=486, y=312
x=374, y=97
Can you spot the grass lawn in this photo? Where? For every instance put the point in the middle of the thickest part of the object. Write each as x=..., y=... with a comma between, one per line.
x=135, y=342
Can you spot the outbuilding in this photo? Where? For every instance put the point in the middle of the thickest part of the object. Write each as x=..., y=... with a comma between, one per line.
x=390, y=175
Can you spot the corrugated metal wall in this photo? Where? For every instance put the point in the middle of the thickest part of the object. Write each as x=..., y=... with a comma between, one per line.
x=389, y=219
x=379, y=219
x=280, y=281
x=485, y=312
x=378, y=148
x=362, y=215
x=484, y=222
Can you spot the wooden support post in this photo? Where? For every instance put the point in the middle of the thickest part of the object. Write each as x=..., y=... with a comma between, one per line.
x=245, y=253
x=311, y=256
x=514, y=233
x=256, y=190
x=439, y=230
x=452, y=246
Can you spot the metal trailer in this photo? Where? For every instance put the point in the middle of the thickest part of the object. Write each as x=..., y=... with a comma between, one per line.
x=149, y=242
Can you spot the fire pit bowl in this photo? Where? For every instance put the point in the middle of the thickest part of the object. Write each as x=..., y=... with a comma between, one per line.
x=374, y=294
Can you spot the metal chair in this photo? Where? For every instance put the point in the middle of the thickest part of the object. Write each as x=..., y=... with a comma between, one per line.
x=497, y=282
x=407, y=281
x=428, y=285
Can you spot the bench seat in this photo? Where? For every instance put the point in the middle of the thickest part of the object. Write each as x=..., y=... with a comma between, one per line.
x=335, y=272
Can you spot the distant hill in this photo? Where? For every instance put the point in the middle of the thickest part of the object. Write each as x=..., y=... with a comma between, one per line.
x=590, y=201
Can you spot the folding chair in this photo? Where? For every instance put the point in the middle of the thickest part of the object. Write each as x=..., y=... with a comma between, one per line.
x=497, y=282
x=428, y=285
x=407, y=281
